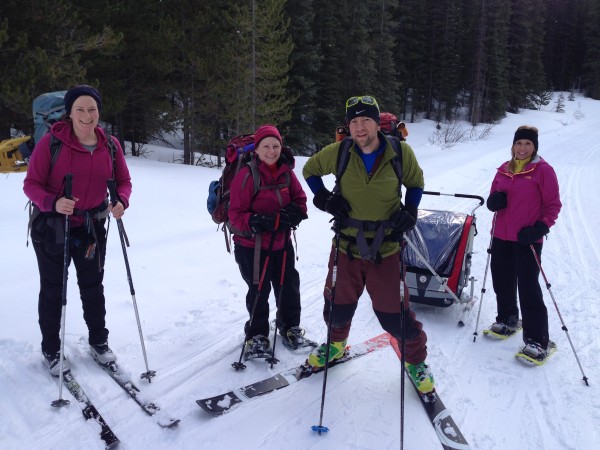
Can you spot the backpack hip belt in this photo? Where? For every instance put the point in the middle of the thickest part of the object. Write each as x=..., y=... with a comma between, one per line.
x=366, y=250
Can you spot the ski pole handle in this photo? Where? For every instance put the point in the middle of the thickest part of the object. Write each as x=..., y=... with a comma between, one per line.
x=112, y=190
x=69, y=186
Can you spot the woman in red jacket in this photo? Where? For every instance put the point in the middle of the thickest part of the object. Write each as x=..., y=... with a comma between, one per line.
x=526, y=200
x=261, y=222
x=84, y=152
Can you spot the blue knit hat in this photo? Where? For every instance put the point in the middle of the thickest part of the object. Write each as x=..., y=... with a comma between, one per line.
x=77, y=91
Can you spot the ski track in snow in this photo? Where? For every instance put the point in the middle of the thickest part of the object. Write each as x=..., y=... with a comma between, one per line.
x=191, y=304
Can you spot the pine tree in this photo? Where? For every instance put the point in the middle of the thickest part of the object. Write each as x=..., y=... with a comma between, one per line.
x=273, y=47
x=525, y=44
x=591, y=68
x=45, y=47
x=305, y=65
x=560, y=104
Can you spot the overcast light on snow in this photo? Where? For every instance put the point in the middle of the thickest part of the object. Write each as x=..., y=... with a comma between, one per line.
x=190, y=297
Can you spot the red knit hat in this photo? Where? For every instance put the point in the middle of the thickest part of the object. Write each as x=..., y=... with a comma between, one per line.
x=266, y=131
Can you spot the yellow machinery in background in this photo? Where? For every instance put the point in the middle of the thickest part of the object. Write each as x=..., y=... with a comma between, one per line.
x=11, y=159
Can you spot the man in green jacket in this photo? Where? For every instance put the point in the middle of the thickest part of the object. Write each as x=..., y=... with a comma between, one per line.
x=370, y=219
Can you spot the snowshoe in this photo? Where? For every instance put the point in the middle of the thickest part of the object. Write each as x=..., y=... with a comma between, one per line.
x=534, y=353
x=501, y=330
x=294, y=339
x=258, y=346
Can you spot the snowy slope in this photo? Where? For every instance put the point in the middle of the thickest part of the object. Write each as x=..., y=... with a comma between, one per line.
x=191, y=296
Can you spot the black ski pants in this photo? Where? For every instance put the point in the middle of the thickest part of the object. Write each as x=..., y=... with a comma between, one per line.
x=514, y=269
x=288, y=311
x=90, y=275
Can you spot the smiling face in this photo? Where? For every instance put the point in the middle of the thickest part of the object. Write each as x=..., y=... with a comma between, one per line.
x=523, y=149
x=364, y=132
x=85, y=116
x=269, y=150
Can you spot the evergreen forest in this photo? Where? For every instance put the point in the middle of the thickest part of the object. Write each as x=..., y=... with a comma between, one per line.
x=215, y=69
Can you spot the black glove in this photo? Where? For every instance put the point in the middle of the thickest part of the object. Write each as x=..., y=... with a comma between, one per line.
x=530, y=235
x=496, y=201
x=334, y=204
x=405, y=219
x=262, y=222
x=291, y=216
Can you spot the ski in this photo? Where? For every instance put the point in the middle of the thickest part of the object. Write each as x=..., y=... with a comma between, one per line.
x=492, y=334
x=89, y=410
x=534, y=361
x=150, y=408
x=224, y=403
x=446, y=429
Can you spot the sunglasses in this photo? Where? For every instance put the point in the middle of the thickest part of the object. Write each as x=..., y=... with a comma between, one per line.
x=365, y=100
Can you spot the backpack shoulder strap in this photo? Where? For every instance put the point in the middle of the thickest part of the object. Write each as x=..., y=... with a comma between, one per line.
x=397, y=161
x=112, y=148
x=343, y=157
x=55, y=148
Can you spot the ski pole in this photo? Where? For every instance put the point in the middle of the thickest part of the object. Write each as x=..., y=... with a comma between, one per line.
x=239, y=365
x=124, y=244
x=403, y=335
x=487, y=265
x=320, y=428
x=68, y=194
x=272, y=359
x=564, y=327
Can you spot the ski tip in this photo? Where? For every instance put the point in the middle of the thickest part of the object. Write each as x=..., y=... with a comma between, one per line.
x=320, y=429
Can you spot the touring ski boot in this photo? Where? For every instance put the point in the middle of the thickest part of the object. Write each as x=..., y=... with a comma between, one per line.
x=53, y=362
x=316, y=360
x=102, y=353
x=421, y=376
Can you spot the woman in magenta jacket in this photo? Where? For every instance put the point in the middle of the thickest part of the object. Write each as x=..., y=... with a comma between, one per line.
x=525, y=197
x=83, y=151
x=257, y=218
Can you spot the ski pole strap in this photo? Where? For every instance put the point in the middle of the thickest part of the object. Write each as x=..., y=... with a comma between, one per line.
x=256, y=263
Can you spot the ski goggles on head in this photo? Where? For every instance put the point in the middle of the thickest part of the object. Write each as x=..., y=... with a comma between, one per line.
x=365, y=100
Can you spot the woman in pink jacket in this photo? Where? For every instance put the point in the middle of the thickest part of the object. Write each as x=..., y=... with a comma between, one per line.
x=261, y=221
x=526, y=200
x=81, y=148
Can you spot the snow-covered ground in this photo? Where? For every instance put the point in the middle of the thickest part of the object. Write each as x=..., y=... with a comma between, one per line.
x=191, y=302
